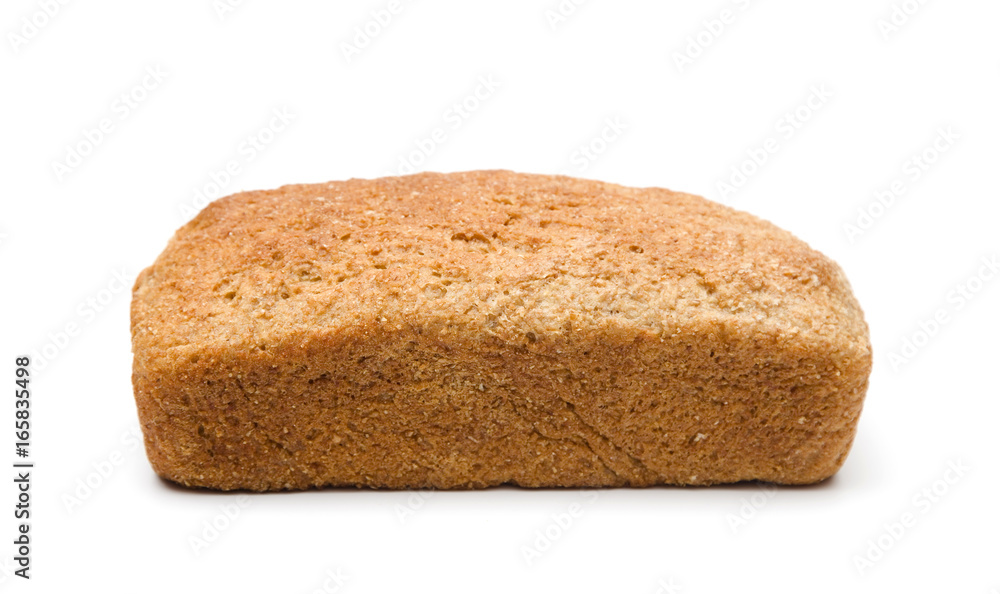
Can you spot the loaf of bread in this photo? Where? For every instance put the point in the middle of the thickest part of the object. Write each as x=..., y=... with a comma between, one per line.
x=473, y=329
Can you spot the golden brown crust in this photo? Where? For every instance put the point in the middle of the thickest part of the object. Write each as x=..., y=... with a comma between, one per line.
x=473, y=329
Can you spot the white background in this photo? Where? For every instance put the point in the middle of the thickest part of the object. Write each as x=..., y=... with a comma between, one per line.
x=65, y=236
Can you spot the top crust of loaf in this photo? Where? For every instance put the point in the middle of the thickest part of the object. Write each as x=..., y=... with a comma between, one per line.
x=515, y=256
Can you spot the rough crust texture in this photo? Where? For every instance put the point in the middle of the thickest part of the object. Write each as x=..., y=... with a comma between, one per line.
x=473, y=329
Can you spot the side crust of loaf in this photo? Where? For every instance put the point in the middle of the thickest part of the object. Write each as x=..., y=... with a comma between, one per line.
x=483, y=328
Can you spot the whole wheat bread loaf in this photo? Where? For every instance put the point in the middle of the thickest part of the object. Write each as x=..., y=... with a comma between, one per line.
x=483, y=328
